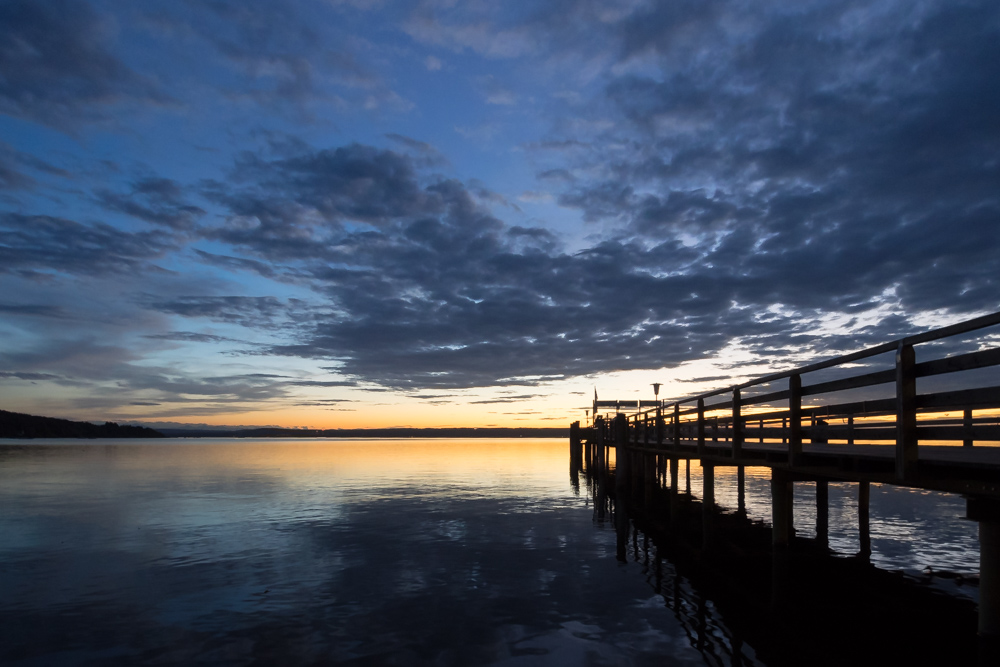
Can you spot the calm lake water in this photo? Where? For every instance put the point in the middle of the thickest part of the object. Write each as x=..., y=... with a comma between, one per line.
x=369, y=552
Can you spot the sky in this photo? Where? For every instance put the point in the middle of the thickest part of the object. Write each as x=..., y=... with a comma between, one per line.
x=345, y=213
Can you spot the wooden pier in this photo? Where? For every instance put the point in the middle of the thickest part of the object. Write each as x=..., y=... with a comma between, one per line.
x=856, y=418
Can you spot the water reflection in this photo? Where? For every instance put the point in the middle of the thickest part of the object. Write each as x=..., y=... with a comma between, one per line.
x=911, y=529
x=461, y=552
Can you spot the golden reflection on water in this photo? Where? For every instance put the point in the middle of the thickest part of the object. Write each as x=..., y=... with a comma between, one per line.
x=510, y=463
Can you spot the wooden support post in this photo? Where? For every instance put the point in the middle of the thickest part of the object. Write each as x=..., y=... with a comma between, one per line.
x=649, y=481
x=602, y=435
x=784, y=430
x=967, y=427
x=864, y=528
x=622, y=467
x=782, y=496
x=638, y=473
x=989, y=580
x=707, y=504
x=674, y=508
x=737, y=426
x=781, y=508
x=850, y=430
x=601, y=469
x=575, y=446
x=795, y=420
x=823, y=512
x=906, y=413
x=701, y=427
x=987, y=512
x=761, y=431
x=687, y=474
x=575, y=456
x=741, y=497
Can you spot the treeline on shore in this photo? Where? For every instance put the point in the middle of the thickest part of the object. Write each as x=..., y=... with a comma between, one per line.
x=17, y=425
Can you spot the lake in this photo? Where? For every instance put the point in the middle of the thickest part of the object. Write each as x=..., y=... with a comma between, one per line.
x=409, y=552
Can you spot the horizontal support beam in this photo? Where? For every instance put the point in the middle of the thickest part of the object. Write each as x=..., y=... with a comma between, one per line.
x=962, y=362
x=985, y=397
x=854, y=382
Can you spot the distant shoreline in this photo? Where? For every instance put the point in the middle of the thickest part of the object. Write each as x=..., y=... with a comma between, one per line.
x=498, y=432
x=17, y=426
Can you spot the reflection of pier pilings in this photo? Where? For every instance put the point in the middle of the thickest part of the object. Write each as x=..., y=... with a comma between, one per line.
x=743, y=590
x=864, y=525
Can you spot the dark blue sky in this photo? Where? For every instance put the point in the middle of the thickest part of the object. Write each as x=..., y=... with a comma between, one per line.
x=388, y=213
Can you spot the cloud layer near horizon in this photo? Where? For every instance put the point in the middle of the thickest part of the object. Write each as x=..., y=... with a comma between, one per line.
x=422, y=197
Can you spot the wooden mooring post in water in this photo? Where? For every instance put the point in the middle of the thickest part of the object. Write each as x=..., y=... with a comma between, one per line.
x=858, y=418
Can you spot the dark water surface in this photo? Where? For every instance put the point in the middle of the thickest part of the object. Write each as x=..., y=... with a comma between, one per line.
x=369, y=552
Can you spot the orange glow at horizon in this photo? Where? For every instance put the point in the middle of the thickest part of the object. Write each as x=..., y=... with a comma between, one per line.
x=363, y=416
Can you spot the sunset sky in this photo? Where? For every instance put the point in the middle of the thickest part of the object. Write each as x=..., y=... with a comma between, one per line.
x=346, y=213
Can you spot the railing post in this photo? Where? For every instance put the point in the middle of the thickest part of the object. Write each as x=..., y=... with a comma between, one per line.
x=795, y=419
x=701, y=427
x=659, y=426
x=906, y=413
x=677, y=426
x=737, y=426
x=967, y=428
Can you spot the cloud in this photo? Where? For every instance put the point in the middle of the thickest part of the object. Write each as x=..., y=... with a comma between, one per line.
x=57, y=67
x=454, y=29
x=49, y=244
x=438, y=293
x=251, y=311
x=496, y=93
x=156, y=200
x=322, y=383
x=295, y=206
x=281, y=55
x=423, y=153
x=33, y=310
x=13, y=166
x=803, y=158
x=29, y=376
x=192, y=337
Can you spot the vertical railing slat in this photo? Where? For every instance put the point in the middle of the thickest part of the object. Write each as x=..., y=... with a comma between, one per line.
x=795, y=420
x=906, y=413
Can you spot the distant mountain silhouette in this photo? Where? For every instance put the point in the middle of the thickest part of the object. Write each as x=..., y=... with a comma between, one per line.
x=17, y=425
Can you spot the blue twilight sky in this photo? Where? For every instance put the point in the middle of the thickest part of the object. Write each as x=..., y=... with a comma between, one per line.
x=347, y=213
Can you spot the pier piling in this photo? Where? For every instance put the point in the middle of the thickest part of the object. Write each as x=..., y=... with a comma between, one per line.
x=864, y=532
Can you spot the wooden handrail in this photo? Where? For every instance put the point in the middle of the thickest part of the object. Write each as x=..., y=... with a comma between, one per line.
x=903, y=408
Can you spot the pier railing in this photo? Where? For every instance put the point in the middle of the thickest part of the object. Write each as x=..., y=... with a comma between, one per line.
x=720, y=422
